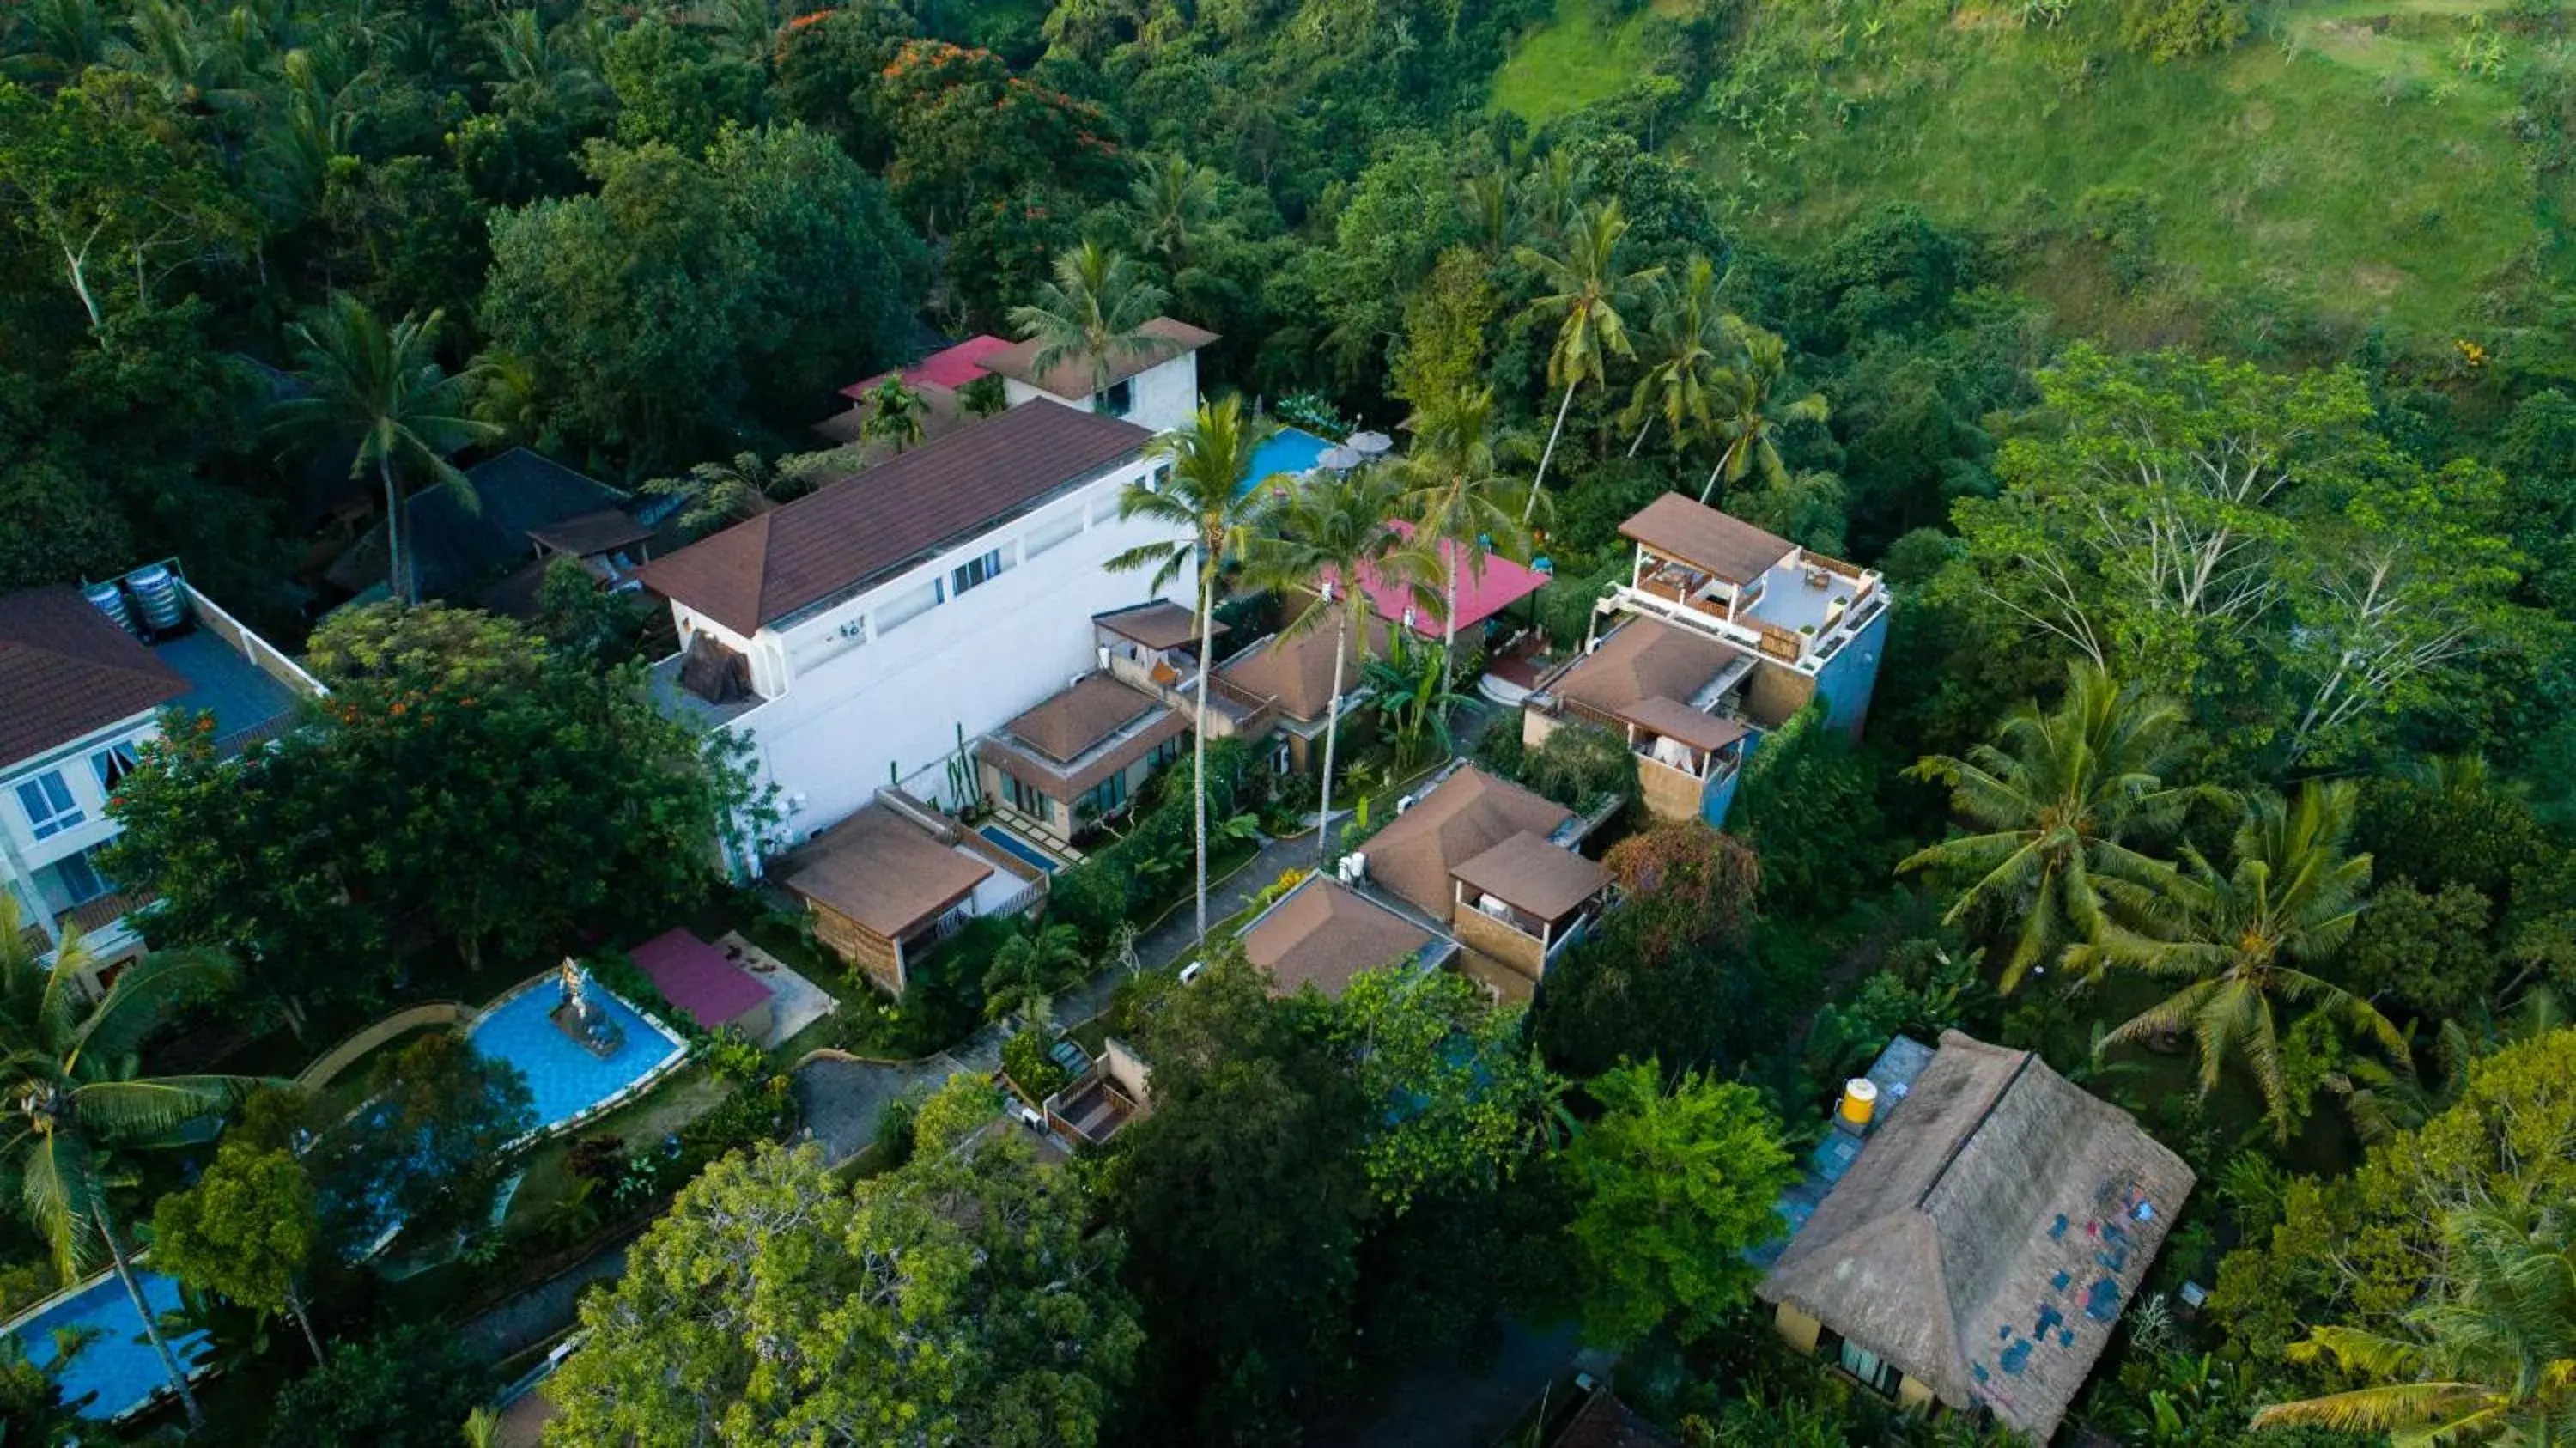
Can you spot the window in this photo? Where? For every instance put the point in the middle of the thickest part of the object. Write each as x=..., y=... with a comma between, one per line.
x=1170, y=749
x=79, y=878
x=1023, y=797
x=112, y=764
x=1105, y=797
x=1048, y=534
x=894, y=613
x=975, y=573
x=1870, y=1368
x=1116, y=400
x=48, y=803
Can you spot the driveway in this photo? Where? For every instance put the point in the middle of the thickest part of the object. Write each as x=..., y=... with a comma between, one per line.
x=842, y=1099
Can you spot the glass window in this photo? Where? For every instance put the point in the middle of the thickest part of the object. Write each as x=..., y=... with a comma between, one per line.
x=113, y=763
x=80, y=879
x=48, y=803
x=1118, y=399
x=1869, y=1367
x=1106, y=796
x=894, y=613
x=975, y=573
x=1047, y=535
x=1023, y=797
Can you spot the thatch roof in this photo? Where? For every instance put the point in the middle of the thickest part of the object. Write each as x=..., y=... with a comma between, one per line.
x=1987, y=1238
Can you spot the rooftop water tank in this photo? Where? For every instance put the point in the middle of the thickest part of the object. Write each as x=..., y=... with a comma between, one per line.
x=109, y=599
x=158, y=597
x=1860, y=1102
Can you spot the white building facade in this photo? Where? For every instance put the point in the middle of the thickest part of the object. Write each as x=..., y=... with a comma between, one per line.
x=1155, y=385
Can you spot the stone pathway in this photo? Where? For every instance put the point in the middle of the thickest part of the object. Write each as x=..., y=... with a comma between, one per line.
x=532, y=1317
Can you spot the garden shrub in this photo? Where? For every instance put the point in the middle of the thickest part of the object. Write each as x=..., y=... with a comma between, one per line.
x=410, y=1388
x=1579, y=766
x=1031, y=1071
x=1091, y=897
x=2174, y=29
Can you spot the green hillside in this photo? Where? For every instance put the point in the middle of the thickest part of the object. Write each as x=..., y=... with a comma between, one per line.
x=2358, y=160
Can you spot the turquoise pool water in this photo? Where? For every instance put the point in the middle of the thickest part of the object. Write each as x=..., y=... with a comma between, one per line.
x=1290, y=450
x=117, y=1364
x=566, y=1079
x=1012, y=843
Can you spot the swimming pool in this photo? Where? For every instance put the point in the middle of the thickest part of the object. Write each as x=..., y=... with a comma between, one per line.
x=118, y=1364
x=567, y=1080
x=1016, y=846
x=1290, y=450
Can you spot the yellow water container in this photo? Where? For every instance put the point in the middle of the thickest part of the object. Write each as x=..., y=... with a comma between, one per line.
x=1860, y=1100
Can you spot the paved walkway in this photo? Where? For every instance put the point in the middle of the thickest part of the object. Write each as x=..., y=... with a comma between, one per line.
x=843, y=1099
x=1172, y=939
x=533, y=1316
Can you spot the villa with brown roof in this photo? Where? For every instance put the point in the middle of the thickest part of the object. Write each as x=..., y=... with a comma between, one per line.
x=895, y=879
x=1494, y=863
x=1296, y=677
x=867, y=633
x=84, y=676
x=1724, y=630
x=1154, y=384
x=1078, y=756
x=1323, y=932
x=1979, y=1248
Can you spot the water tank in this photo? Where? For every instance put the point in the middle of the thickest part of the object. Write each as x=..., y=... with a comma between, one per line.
x=158, y=597
x=109, y=599
x=1354, y=868
x=1860, y=1102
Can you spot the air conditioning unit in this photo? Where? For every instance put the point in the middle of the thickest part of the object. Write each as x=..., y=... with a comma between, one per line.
x=1076, y=681
x=1403, y=803
x=1030, y=1119
x=1192, y=971
x=1103, y=654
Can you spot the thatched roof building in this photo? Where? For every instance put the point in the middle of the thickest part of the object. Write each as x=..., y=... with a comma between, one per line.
x=1986, y=1239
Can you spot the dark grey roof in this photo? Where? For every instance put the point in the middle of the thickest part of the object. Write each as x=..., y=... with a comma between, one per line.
x=453, y=545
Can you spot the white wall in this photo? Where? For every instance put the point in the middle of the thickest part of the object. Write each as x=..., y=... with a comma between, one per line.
x=1166, y=395
x=897, y=697
x=73, y=761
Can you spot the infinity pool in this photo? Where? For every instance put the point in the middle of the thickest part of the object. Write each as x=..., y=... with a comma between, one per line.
x=117, y=1364
x=1016, y=846
x=566, y=1079
x=1289, y=450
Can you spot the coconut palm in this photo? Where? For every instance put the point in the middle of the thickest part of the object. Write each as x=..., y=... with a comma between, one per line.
x=69, y=1081
x=1205, y=501
x=1586, y=292
x=1172, y=205
x=1092, y=313
x=1681, y=340
x=380, y=391
x=2490, y=1357
x=54, y=40
x=1492, y=211
x=1556, y=186
x=2289, y=898
x=1031, y=966
x=1330, y=528
x=1744, y=416
x=894, y=414
x=2055, y=805
x=746, y=485
x=1454, y=495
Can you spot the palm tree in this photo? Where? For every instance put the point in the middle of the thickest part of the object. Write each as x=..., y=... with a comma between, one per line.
x=1173, y=206
x=1557, y=185
x=1031, y=966
x=1410, y=692
x=2289, y=898
x=1492, y=210
x=1331, y=528
x=1680, y=341
x=1454, y=496
x=54, y=41
x=380, y=390
x=482, y=1428
x=2490, y=1357
x=1206, y=502
x=1093, y=312
x=2055, y=802
x=1586, y=292
x=69, y=1080
x=744, y=486
x=894, y=414
x=1744, y=415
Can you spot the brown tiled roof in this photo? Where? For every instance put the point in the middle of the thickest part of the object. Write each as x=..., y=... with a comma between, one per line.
x=1070, y=722
x=1530, y=874
x=1073, y=376
x=584, y=534
x=1161, y=624
x=1644, y=658
x=887, y=874
x=1697, y=534
x=1469, y=813
x=1323, y=933
x=1299, y=673
x=1680, y=721
x=67, y=669
x=855, y=530
x=1058, y=783
x=1995, y=1194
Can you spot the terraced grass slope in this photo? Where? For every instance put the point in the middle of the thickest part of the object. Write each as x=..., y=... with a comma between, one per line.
x=2360, y=160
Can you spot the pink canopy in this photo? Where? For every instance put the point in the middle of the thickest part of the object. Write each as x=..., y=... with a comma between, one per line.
x=697, y=978
x=950, y=369
x=1482, y=593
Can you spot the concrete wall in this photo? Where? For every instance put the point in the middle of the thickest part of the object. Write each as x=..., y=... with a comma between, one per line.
x=1775, y=694
x=1492, y=938
x=1800, y=1330
x=1849, y=678
x=327, y=1067
x=1669, y=793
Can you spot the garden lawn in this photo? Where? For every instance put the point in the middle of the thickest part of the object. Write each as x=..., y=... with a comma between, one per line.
x=1574, y=61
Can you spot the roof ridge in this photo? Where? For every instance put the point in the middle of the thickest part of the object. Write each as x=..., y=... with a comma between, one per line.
x=1959, y=1145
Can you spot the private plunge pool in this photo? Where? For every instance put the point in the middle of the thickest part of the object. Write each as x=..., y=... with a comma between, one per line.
x=116, y=1362
x=1290, y=450
x=569, y=1081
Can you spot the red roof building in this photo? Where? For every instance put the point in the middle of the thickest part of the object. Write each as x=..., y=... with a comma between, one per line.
x=696, y=977
x=1483, y=591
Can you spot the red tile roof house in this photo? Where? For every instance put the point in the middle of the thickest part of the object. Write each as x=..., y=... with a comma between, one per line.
x=85, y=675
x=711, y=990
x=868, y=633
